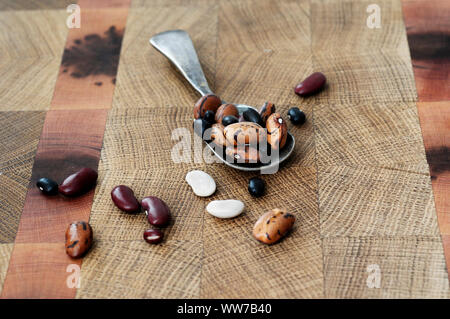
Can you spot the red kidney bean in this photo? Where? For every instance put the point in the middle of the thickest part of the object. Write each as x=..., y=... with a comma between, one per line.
x=79, y=238
x=158, y=213
x=311, y=84
x=123, y=197
x=79, y=182
x=153, y=236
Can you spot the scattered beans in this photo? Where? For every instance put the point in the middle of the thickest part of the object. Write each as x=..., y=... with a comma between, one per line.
x=158, y=213
x=79, y=182
x=225, y=208
x=209, y=102
x=47, y=186
x=312, y=84
x=209, y=117
x=276, y=131
x=242, y=154
x=202, y=184
x=252, y=115
x=272, y=226
x=229, y=119
x=296, y=116
x=153, y=236
x=225, y=110
x=256, y=187
x=123, y=197
x=244, y=133
x=266, y=110
x=79, y=237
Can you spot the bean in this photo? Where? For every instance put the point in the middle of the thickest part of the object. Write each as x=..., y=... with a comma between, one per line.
x=312, y=84
x=200, y=126
x=209, y=117
x=79, y=182
x=242, y=154
x=256, y=186
x=296, y=116
x=225, y=110
x=244, y=133
x=79, y=237
x=153, y=236
x=266, y=110
x=158, y=213
x=276, y=131
x=217, y=135
x=209, y=102
x=47, y=186
x=229, y=119
x=123, y=197
x=252, y=115
x=273, y=225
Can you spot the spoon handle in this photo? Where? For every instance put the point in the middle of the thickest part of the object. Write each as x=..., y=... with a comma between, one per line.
x=177, y=46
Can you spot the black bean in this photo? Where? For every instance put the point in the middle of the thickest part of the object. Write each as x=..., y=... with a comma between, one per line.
x=256, y=187
x=47, y=186
x=296, y=116
x=229, y=119
x=252, y=115
x=209, y=117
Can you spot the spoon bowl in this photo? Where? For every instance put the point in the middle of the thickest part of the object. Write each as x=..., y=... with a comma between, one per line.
x=177, y=46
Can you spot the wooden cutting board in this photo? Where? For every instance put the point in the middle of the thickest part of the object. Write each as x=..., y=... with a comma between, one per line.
x=367, y=201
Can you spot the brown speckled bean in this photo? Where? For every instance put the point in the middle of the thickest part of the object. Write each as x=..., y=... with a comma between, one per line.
x=79, y=238
x=273, y=225
x=209, y=102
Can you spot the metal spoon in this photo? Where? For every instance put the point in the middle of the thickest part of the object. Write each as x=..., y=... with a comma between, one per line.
x=177, y=46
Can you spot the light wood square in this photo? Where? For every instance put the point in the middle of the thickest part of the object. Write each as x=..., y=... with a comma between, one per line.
x=135, y=269
x=373, y=134
x=409, y=267
x=372, y=201
x=259, y=25
x=5, y=254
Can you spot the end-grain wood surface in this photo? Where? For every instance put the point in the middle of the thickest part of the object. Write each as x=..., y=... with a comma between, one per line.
x=358, y=181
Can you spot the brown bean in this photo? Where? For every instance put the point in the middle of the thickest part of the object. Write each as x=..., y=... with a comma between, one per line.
x=123, y=197
x=79, y=237
x=217, y=135
x=209, y=102
x=157, y=211
x=312, y=84
x=79, y=182
x=273, y=225
x=153, y=236
x=242, y=154
x=266, y=110
x=244, y=133
x=225, y=110
x=276, y=131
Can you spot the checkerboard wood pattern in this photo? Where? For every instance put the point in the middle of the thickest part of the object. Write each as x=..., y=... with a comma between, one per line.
x=358, y=181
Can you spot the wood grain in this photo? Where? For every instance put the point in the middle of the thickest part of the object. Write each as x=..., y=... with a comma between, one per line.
x=68, y=142
x=258, y=25
x=5, y=254
x=135, y=269
x=428, y=29
x=373, y=134
x=372, y=201
x=410, y=267
x=341, y=26
x=87, y=75
x=34, y=4
x=44, y=277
